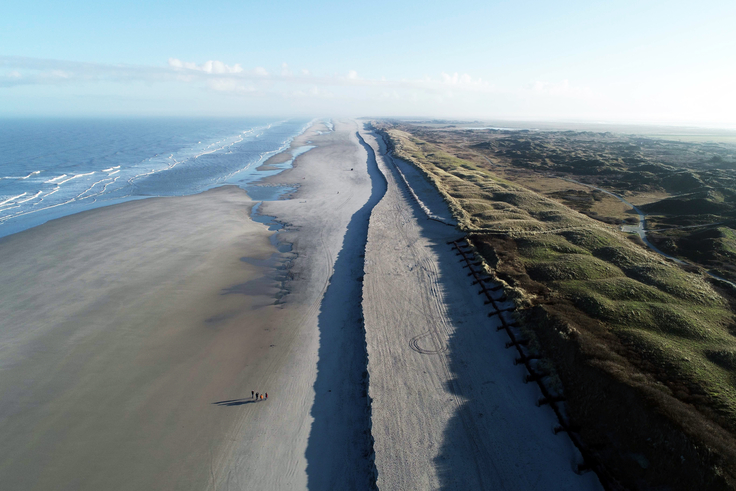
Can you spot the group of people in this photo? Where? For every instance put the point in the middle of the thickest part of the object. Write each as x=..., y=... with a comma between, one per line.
x=257, y=396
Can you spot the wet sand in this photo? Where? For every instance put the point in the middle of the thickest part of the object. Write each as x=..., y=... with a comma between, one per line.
x=133, y=335
x=119, y=334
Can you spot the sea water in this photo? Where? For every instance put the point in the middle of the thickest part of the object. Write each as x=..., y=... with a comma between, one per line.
x=53, y=168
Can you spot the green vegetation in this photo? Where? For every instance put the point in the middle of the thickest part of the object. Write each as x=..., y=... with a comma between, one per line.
x=651, y=325
x=684, y=186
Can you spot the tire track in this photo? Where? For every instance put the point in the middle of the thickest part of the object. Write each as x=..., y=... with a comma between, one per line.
x=439, y=324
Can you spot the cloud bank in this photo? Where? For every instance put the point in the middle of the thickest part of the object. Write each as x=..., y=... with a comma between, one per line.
x=210, y=66
x=16, y=71
x=223, y=88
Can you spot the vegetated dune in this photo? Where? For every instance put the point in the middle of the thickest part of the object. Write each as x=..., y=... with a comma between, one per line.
x=643, y=349
x=681, y=185
x=688, y=206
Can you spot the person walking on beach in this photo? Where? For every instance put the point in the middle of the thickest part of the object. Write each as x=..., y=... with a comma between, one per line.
x=256, y=396
x=252, y=395
x=266, y=395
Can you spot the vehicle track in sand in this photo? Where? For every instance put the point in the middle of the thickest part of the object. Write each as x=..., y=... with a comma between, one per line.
x=408, y=212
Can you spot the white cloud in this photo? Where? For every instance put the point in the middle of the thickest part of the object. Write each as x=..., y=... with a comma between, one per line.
x=455, y=94
x=211, y=66
x=61, y=74
x=389, y=95
x=313, y=92
x=16, y=71
x=464, y=80
x=451, y=84
x=221, y=77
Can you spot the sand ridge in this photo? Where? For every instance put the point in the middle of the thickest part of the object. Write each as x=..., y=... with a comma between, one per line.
x=314, y=433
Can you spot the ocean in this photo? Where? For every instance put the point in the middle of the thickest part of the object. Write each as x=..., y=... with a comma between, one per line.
x=51, y=168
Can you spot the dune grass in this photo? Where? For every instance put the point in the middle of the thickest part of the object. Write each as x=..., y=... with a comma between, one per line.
x=674, y=327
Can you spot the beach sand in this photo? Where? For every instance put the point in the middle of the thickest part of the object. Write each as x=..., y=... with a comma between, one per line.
x=120, y=328
x=315, y=433
x=132, y=337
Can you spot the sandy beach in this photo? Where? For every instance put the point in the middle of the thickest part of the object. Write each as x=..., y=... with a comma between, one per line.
x=315, y=433
x=133, y=335
x=121, y=326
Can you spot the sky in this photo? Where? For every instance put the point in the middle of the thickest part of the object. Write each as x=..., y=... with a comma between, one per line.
x=664, y=62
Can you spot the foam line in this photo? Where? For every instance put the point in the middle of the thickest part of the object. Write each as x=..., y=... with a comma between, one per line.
x=32, y=197
x=31, y=174
x=74, y=177
x=79, y=196
x=13, y=198
x=20, y=178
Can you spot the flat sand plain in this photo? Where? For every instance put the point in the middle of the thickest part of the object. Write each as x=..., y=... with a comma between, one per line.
x=120, y=327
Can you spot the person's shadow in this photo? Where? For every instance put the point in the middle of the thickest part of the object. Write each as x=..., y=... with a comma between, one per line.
x=235, y=402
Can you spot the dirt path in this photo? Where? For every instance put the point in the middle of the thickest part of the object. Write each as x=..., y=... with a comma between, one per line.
x=449, y=409
x=640, y=229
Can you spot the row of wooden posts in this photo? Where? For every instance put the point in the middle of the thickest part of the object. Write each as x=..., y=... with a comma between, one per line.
x=488, y=286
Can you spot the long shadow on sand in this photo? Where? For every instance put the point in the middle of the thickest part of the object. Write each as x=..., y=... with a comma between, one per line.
x=236, y=402
x=497, y=437
x=340, y=449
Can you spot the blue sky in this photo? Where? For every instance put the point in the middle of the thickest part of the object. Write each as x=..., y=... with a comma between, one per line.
x=650, y=62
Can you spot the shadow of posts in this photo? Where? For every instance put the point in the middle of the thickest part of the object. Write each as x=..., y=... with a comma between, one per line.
x=496, y=437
